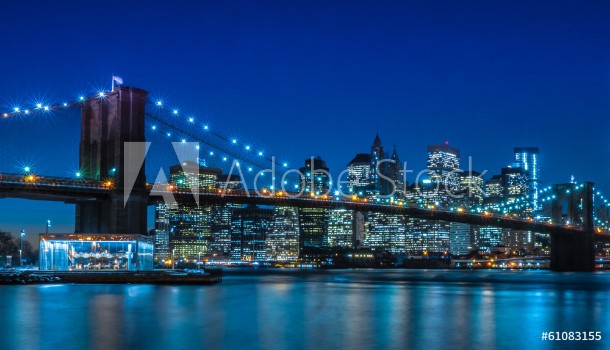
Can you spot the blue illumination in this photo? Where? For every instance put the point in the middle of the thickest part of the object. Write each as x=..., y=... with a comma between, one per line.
x=234, y=141
x=169, y=134
x=211, y=153
x=183, y=140
x=250, y=169
x=27, y=169
x=39, y=105
x=159, y=103
x=82, y=98
x=260, y=153
x=191, y=120
x=247, y=148
x=205, y=127
x=78, y=174
x=65, y=104
x=101, y=94
x=224, y=159
x=175, y=111
x=154, y=127
x=16, y=109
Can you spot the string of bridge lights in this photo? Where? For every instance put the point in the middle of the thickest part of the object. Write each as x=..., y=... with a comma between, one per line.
x=42, y=107
x=215, y=151
x=206, y=130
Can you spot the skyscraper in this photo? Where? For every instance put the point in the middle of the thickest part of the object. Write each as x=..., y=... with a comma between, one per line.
x=514, y=182
x=471, y=186
x=395, y=173
x=527, y=158
x=190, y=226
x=221, y=216
x=315, y=177
x=360, y=181
x=282, y=242
x=313, y=222
x=459, y=238
x=444, y=166
x=494, y=190
x=340, y=228
x=249, y=229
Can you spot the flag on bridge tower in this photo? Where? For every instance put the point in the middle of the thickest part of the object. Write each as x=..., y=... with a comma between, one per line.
x=118, y=80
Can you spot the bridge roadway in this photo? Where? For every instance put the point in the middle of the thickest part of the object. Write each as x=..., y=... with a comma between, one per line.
x=248, y=197
x=78, y=190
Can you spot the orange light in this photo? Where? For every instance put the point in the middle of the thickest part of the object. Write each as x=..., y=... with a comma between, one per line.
x=30, y=178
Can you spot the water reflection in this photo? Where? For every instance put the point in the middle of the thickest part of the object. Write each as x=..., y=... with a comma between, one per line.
x=325, y=309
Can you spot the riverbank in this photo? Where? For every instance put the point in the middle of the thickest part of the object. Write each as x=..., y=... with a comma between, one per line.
x=166, y=277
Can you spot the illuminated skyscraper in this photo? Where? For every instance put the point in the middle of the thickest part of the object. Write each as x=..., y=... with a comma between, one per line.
x=444, y=166
x=313, y=222
x=315, y=177
x=488, y=237
x=360, y=180
x=221, y=215
x=283, y=239
x=395, y=173
x=340, y=228
x=459, y=238
x=162, y=250
x=494, y=190
x=191, y=174
x=515, y=183
x=190, y=231
x=527, y=158
x=471, y=187
x=249, y=229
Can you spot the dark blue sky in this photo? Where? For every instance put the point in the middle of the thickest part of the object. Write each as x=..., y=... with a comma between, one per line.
x=320, y=78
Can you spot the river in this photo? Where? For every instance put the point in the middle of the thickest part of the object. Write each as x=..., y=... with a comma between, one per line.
x=282, y=309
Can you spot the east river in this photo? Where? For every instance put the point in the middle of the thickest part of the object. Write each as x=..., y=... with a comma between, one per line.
x=334, y=309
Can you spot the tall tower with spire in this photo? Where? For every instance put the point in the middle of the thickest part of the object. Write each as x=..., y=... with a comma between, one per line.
x=396, y=174
x=380, y=185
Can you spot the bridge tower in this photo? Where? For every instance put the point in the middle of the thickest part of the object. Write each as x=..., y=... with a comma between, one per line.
x=107, y=122
x=573, y=205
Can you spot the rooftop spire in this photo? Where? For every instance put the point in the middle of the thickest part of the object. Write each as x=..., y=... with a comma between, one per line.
x=377, y=141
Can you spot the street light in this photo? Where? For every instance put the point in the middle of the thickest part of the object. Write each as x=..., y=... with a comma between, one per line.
x=21, y=247
x=173, y=258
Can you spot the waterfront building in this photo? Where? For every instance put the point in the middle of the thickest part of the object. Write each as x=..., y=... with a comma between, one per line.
x=282, y=241
x=190, y=231
x=340, y=228
x=459, y=239
x=96, y=252
x=249, y=229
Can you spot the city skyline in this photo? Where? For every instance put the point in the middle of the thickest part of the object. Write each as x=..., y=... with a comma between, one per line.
x=324, y=79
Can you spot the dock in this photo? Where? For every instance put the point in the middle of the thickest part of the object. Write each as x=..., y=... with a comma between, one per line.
x=162, y=277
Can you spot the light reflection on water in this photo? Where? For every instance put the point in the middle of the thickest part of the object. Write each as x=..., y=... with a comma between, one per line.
x=357, y=309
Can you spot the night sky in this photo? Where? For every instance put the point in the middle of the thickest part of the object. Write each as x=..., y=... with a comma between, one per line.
x=318, y=78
